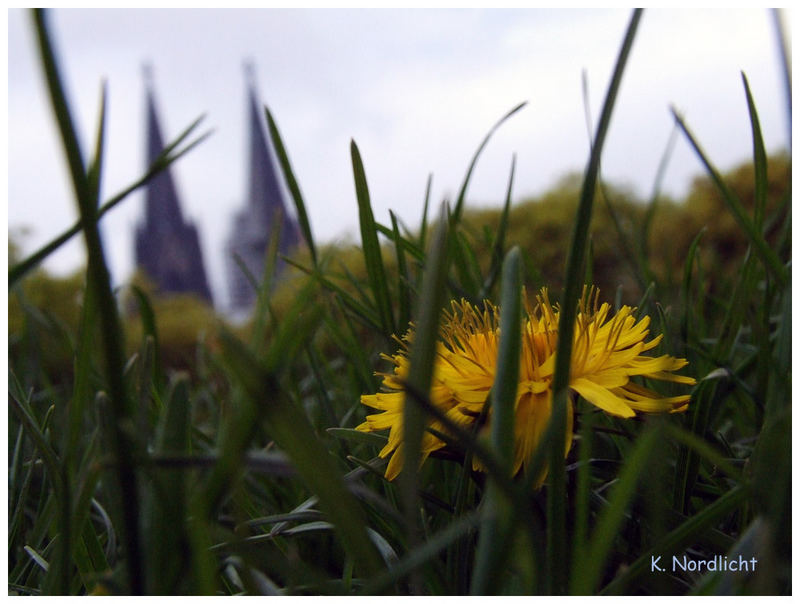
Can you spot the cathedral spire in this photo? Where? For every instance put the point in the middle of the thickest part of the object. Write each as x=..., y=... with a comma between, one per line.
x=265, y=210
x=167, y=247
x=162, y=207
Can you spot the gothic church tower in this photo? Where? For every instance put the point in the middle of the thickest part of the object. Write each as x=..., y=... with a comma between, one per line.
x=167, y=246
x=264, y=215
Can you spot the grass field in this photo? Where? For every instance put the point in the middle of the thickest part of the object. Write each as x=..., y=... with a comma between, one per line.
x=247, y=474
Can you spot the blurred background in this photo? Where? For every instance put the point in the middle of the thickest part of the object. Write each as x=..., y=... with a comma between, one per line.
x=417, y=90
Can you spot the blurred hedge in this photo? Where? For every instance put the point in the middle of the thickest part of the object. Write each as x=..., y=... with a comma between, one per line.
x=540, y=226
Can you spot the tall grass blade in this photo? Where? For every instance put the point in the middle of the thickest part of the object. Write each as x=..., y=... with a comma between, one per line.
x=497, y=509
x=165, y=506
x=684, y=535
x=582, y=493
x=56, y=581
x=767, y=254
x=498, y=245
x=456, y=530
x=161, y=163
x=294, y=188
x=652, y=205
x=366, y=315
x=423, y=229
x=591, y=567
x=759, y=158
x=420, y=373
x=557, y=562
x=462, y=193
x=96, y=165
x=288, y=425
x=371, y=247
x=98, y=278
x=403, y=279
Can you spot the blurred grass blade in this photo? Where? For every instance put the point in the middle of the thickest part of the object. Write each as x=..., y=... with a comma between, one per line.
x=759, y=159
x=582, y=491
x=459, y=207
x=497, y=510
x=165, y=505
x=288, y=425
x=294, y=188
x=376, y=440
x=703, y=449
x=403, y=279
x=500, y=237
x=423, y=229
x=456, y=530
x=57, y=581
x=557, y=562
x=98, y=277
x=96, y=165
x=366, y=315
x=767, y=254
x=161, y=163
x=652, y=205
x=588, y=571
x=371, y=247
x=686, y=534
x=150, y=330
x=420, y=373
x=81, y=386
x=467, y=267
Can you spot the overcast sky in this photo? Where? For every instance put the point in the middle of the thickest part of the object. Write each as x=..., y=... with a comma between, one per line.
x=417, y=90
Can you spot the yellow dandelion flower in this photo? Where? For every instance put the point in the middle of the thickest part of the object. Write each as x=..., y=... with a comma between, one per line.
x=607, y=353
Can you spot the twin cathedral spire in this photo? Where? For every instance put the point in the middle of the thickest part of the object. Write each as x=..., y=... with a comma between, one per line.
x=168, y=246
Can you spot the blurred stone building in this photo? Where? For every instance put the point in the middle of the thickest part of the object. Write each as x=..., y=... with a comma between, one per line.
x=167, y=246
x=264, y=215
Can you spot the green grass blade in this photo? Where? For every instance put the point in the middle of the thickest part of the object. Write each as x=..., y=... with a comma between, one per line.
x=57, y=581
x=371, y=247
x=497, y=512
x=376, y=440
x=585, y=581
x=99, y=278
x=423, y=230
x=294, y=188
x=756, y=238
x=557, y=562
x=759, y=158
x=462, y=193
x=779, y=396
x=149, y=329
x=367, y=315
x=652, y=205
x=82, y=394
x=466, y=266
x=500, y=237
x=165, y=506
x=414, y=560
x=409, y=247
x=161, y=163
x=403, y=279
x=686, y=534
x=420, y=373
x=290, y=429
x=582, y=492
x=506, y=382
x=96, y=165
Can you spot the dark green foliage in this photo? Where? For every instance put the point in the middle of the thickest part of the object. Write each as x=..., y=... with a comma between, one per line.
x=195, y=460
